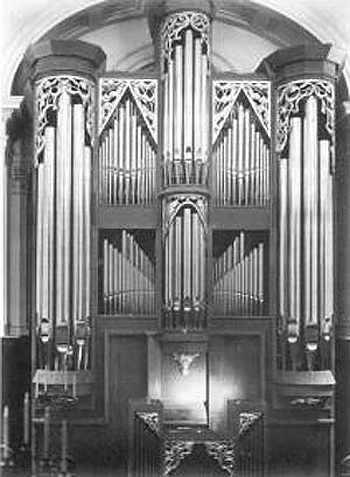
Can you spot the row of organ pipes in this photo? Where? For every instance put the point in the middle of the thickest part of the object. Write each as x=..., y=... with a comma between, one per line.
x=241, y=160
x=128, y=276
x=68, y=348
x=185, y=270
x=127, y=158
x=239, y=279
x=306, y=272
x=186, y=125
x=63, y=226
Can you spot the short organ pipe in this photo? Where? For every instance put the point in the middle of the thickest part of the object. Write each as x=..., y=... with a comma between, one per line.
x=239, y=279
x=241, y=158
x=126, y=158
x=128, y=276
x=184, y=257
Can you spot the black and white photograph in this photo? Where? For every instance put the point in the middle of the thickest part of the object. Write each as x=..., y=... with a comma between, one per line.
x=175, y=238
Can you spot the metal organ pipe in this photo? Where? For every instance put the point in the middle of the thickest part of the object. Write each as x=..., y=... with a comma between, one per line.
x=63, y=220
x=324, y=167
x=170, y=82
x=128, y=276
x=241, y=155
x=187, y=253
x=188, y=96
x=326, y=240
x=247, y=154
x=50, y=160
x=238, y=276
x=127, y=158
x=185, y=76
x=309, y=224
x=178, y=260
x=294, y=198
x=205, y=106
x=283, y=217
x=178, y=109
x=87, y=226
x=311, y=216
x=184, y=255
x=198, y=152
x=63, y=205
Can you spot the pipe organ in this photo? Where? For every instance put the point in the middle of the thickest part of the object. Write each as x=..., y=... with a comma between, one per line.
x=239, y=275
x=241, y=143
x=64, y=140
x=127, y=141
x=305, y=141
x=184, y=38
x=128, y=272
x=184, y=256
x=175, y=209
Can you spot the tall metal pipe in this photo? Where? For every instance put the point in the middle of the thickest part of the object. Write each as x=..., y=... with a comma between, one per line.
x=283, y=238
x=310, y=212
x=294, y=197
x=63, y=206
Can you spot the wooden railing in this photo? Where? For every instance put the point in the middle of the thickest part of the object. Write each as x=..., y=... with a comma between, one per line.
x=251, y=445
x=157, y=450
x=145, y=450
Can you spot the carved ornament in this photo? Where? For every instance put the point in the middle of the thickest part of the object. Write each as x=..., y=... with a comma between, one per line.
x=225, y=94
x=144, y=93
x=289, y=97
x=47, y=93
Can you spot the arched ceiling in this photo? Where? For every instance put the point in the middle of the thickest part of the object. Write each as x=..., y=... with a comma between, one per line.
x=244, y=32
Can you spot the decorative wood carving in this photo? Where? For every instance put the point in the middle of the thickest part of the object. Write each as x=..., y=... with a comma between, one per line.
x=225, y=94
x=47, y=92
x=289, y=97
x=174, y=24
x=144, y=92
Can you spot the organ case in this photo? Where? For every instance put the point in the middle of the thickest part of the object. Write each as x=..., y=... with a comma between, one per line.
x=64, y=138
x=305, y=142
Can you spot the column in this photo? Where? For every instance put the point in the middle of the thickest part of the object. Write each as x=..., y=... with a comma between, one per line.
x=182, y=34
x=64, y=140
x=6, y=113
x=305, y=98
x=343, y=284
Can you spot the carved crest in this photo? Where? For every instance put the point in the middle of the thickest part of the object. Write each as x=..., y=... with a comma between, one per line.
x=225, y=95
x=289, y=97
x=184, y=361
x=47, y=93
x=144, y=93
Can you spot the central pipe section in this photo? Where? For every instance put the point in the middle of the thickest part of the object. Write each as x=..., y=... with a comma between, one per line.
x=185, y=69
